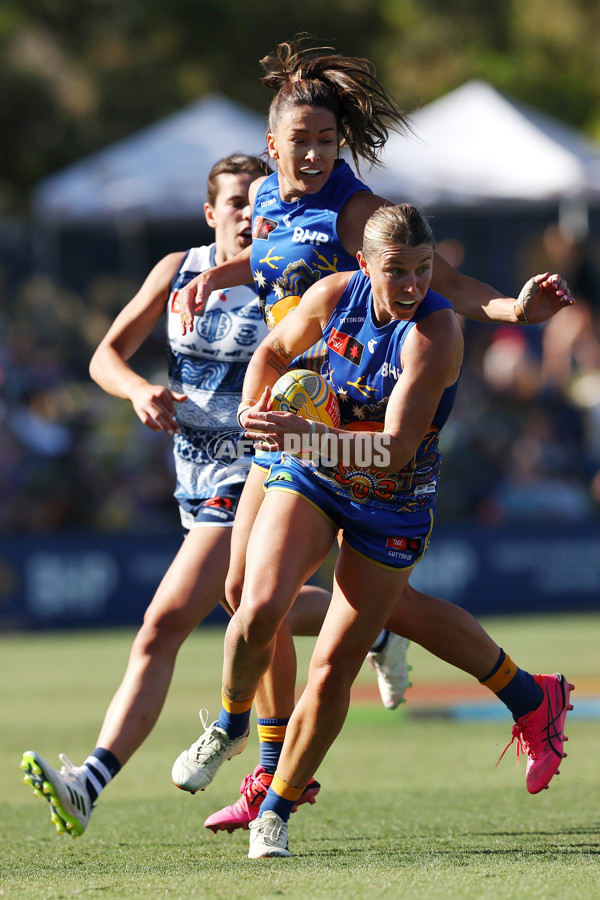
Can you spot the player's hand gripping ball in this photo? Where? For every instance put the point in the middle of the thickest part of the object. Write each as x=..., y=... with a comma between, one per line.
x=306, y=394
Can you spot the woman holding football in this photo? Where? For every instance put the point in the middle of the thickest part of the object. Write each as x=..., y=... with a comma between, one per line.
x=404, y=388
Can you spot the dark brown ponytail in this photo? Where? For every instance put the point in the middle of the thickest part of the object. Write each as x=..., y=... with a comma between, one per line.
x=347, y=86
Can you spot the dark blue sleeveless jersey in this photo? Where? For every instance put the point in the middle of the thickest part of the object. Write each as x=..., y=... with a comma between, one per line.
x=296, y=244
x=364, y=366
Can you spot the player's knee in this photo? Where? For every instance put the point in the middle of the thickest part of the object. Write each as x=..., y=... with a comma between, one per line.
x=163, y=628
x=259, y=621
x=233, y=590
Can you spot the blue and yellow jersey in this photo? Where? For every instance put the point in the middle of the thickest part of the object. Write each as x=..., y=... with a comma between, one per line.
x=363, y=367
x=296, y=244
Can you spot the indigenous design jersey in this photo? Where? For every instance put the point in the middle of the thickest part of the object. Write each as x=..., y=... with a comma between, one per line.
x=209, y=366
x=296, y=244
x=364, y=366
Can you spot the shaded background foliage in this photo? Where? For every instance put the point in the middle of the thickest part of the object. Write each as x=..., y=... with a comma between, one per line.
x=79, y=75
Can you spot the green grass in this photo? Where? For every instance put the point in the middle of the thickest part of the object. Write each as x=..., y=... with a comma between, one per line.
x=410, y=808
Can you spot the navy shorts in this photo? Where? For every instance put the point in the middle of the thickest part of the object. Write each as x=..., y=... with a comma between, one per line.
x=392, y=538
x=210, y=511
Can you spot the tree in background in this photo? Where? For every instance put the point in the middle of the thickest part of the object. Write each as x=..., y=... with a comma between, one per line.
x=80, y=75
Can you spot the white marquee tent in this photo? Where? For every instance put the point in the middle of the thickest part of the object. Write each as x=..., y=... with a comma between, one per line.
x=471, y=147
x=474, y=146
x=158, y=173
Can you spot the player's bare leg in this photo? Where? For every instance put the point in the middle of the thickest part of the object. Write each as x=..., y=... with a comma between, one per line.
x=351, y=624
x=190, y=589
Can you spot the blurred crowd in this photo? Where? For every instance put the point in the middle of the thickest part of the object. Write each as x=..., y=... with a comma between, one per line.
x=523, y=441
x=71, y=456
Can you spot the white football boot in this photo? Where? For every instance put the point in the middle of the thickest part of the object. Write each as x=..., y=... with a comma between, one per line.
x=65, y=791
x=392, y=670
x=195, y=768
x=268, y=836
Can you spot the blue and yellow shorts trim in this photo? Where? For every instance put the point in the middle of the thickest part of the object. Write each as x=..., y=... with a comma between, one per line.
x=392, y=539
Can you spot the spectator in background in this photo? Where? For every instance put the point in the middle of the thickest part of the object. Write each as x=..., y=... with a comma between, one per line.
x=571, y=344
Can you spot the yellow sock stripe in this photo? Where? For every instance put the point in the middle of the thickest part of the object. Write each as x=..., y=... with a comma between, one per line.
x=284, y=789
x=236, y=706
x=271, y=734
x=502, y=677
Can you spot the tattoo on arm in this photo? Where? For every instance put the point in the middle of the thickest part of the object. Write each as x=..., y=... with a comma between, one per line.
x=277, y=366
x=280, y=349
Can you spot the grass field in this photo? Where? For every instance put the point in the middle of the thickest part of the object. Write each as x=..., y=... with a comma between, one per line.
x=411, y=806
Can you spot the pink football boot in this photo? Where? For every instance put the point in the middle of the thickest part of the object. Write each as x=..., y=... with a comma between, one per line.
x=540, y=734
x=253, y=791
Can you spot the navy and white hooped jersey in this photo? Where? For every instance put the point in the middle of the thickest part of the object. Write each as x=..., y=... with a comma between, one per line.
x=296, y=244
x=363, y=367
x=209, y=366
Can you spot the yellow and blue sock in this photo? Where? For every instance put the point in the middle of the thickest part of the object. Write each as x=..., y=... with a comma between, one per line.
x=281, y=798
x=516, y=688
x=234, y=717
x=271, y=734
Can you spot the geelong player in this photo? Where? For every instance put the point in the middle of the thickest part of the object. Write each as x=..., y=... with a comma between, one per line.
x=206, y=371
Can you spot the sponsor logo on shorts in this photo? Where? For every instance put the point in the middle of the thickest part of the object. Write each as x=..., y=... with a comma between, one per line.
x=217, y=513
x=424, y=489
x=399, y=544
x=225, y=502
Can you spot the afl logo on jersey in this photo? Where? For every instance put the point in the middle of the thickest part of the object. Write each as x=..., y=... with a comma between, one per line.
x=214, y=325
x=346, y=345
x=263, y=228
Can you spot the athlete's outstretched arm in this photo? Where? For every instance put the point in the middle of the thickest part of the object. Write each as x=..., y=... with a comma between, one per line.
x=194, y=295
x=541, y=298
x=296, y=333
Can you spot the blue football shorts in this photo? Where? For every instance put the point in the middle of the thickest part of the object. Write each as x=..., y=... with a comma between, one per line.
x=264, y=459
x=392, y=538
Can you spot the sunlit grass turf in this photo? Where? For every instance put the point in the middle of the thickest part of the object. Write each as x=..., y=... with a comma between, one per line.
x=408, y=808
